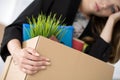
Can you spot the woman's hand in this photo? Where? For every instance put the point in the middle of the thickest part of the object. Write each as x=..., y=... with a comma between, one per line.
x=27, y=59
x=30, y=61
x=115, y=17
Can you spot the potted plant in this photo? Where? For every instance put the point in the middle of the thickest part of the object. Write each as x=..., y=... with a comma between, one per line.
x=50, y=27
x=47, y=26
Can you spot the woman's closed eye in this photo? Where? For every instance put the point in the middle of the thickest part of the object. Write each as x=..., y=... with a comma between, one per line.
x=114, y=9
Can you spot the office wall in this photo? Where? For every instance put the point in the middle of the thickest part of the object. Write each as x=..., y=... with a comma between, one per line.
x=10, y=9
x=6, y=10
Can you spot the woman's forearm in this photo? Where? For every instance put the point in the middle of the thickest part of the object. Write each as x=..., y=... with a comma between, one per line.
x=107, y=30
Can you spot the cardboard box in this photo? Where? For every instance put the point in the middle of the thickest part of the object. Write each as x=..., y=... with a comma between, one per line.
x=67, y=64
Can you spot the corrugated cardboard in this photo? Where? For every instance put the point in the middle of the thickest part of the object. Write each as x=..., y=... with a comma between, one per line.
x=67, y=64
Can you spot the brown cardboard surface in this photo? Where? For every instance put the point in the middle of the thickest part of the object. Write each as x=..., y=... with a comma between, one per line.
x=6, y=68
x=1, y=32
x=67, y=64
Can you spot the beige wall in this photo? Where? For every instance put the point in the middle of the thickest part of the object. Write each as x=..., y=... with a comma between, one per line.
x=1, y=32
x=1, y=36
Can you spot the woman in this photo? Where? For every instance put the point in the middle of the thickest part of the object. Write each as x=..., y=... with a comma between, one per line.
x=96, y=19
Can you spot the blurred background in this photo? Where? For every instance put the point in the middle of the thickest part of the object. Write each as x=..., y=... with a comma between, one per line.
x=9, y=11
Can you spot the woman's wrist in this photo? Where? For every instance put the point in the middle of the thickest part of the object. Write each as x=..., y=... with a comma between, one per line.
x=111, y=22
x=15, y=51
x=14, y=46
x=114, y=17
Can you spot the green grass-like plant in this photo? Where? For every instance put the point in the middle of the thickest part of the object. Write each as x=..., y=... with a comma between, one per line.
x=46, y=26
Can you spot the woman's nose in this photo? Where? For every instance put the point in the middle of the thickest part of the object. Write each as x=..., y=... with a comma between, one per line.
x=105, y=5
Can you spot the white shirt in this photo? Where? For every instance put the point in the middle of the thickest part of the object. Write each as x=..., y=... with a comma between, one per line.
x=80, y=23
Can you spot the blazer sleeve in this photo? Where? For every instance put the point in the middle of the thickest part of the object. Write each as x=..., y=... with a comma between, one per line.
x=14, y=30
x=100, y=49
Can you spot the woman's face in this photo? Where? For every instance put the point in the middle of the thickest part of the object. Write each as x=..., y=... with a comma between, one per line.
x=103, y=8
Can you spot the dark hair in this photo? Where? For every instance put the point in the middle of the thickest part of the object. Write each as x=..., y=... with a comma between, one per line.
x=97, y=27
x=115, y=56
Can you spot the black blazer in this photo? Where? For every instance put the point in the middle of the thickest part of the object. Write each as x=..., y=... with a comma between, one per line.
x=67, y=8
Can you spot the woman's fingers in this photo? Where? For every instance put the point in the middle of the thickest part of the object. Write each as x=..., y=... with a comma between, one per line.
x=29, y=56
x=28, y=71
x=30, y=61
x=28, y=53
x=33, y=67
x=35, y=63
x=32, y=51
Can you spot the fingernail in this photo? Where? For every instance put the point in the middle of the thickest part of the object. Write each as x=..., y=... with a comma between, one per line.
x=47, y=63
x=43, y=67
x=36, y=54
x=47, y=59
